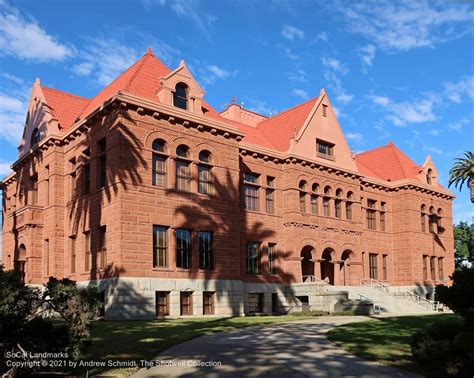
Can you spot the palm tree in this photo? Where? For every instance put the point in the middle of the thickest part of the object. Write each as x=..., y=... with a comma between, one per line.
x=463, y=172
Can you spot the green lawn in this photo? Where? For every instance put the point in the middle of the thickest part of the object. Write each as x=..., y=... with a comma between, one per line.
x=144, y=339
x=387, y=340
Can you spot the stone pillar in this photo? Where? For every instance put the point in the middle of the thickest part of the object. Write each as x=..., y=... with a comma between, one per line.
x=197, y=299
x=337, y=272
x=175, y=301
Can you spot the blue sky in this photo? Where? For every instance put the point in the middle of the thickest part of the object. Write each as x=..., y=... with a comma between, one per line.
x=400, y=71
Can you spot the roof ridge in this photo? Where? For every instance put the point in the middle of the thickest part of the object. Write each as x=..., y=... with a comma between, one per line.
x=288, y=110
x=373, y=149
x=395, y=151
x=141, y=62
x=64, y=92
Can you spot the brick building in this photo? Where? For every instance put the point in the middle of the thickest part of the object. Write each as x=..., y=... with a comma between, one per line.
x=176, y=209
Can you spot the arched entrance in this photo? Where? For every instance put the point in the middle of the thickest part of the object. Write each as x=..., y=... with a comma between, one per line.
x=346, y=268
x=20, y=261
x=327, y=267
x=307, y=265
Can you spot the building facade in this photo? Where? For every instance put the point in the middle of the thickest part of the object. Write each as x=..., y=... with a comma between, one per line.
x=175, y=209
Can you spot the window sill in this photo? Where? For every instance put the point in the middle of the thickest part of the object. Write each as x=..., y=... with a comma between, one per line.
x=162, y=269
x=327, y=157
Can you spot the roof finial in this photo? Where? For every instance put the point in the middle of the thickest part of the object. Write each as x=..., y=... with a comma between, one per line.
x=390, y=143
x=234, y=100
x=149, y=51
x=37, y=81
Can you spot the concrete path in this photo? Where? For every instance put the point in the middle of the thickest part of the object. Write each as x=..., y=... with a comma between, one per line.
x=289, y=350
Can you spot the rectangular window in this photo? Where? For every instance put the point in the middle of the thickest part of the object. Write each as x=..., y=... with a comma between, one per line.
x=87, y=250
x=204, y=179
x=183, y=175
x=433, y=268
x=425, y=267
x=253, y=257
x=160, y=246
x=183, y=248
x=324, y=149
x=46, y=254
x=186, y=303
x=270, y=195
x=86, y=178
x=102, y=247
x=349, y=210
x=159, y=171
x=440, y=269
x=162, y=302
x=314, y=203
x=373, y=266
x=47, y=185
x=256, y=302
x=371, y=214
x=303, y=202
x=205, y=250
x=251, y=189
x=326, y=206
x=384, y=268
x=271, y=258
x=208, y=302
x=72, y=244
x=432, y=221
x=102, y=162
x=382, y=221
x=33, y=190
x=337, y=208
x=423, y=222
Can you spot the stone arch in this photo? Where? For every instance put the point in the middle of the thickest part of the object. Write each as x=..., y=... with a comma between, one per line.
x=345, y=267
x=206, y=146
x=307, y=263
x=183, y=141
x=308, y=242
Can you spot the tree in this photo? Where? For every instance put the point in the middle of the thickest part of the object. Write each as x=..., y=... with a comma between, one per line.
x=24, y=329
x=463, y=243
x=462, y=173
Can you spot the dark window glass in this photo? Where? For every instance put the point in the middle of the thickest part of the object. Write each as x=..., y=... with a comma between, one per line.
x=183, y=248
x=205, y=156
x=205, y=250
x=433, y=268
x=440, y=269
x=86, y=178
x=182, y=151
x=186, y=306
x=159, y=171
x=371, y=214
x=326, y=207
x=373, y=266
x=256, y=302
x=180, y=96
x=251, y=178
x=251, y=198
x=204, y=179
x=162, y=303
x=253, y=257
x=349, y=210
x=35, y=138
x=382, y=221
x=324, y=148
x=384, y=267
x=271, y=258
x=159, y=145
x=160, y=246
x=303, y=202
x=337, y=208
x=425, y=267
x=314, y=204
x=270, y=200
x=208, y=302
x=183, y=175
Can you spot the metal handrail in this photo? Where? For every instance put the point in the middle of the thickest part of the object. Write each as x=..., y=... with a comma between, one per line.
x=434, y=305
x=374, y=282
x=376, y=307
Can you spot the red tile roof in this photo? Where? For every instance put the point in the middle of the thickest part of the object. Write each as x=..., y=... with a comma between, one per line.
x=387, y=163
x=65, y=106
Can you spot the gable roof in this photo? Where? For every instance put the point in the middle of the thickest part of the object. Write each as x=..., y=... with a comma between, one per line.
x=387, y=162
x=65, y=107
x=284, y=126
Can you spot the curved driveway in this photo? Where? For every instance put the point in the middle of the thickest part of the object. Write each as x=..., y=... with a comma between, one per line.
x=289, y=350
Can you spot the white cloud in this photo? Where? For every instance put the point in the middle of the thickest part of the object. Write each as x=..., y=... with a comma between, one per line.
x=5, y=168
x=334, y=64
x=405, y=25
x=83, y=69
x=299, y=76
x=25, y=39
x=335, y=84
x=458, y=125
x=367, y=54
x=12, y=116
x=300, y=93
x=433, y=150
x=259, y=106
x=17, y=80
x=290, y=54
x=323, y=36
x=291, y=33
x=212, y=72
x=355, y=137
x=434, y=132
x=191, y=10
x=464, y=88
x=408, y=112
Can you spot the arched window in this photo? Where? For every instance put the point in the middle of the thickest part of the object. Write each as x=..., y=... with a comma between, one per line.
x=314, y=199
x=180, y=96
x=439, y=216
x=326, y=199
x=432, y=220
x=35, y=137
x=159, y=158
x=337, y=204
x=302, y=195
x=183, y=171
x=349, y=206
x=429, y=176
x=423, y=218
x=204, y=172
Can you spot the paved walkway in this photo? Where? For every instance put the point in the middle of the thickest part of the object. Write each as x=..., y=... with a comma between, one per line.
x=289, y=350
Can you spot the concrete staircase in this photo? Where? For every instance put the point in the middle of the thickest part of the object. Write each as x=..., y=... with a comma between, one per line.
x=387, y=302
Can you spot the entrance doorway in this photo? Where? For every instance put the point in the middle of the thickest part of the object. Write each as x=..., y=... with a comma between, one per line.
x=307, y=266
x=327, y=268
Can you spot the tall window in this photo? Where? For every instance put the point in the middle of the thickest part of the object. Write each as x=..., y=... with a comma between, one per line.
x=253, y=257
x=183, y=248
x=382, y=216
x=186, y=303
x=160, y=246
x=162, y=303
x=87, y=250
x=373, y=266
x=314, y=199
x=270, y=195
x=432, y=220
x=102, y=247
x=324, y=149
x=34, y=190
x=384, y=267
x=102, y=162
x=35, y=137
x=183, y=171
x=208, y=302
x=349, y=206
x=204, y=173
x=47, y=185
x=433, y=268
x=327, y=193
x=337, y=208
x=180, y=96
x=371, y=214
x=429, y=176
x=440, y=269
x=205, y=250
x=271, y=258
x=72, y=246
x=251, y=189
x=86, y=178
x=302, y=196
x=159, y=163
x=425, y=267
x=423, y=218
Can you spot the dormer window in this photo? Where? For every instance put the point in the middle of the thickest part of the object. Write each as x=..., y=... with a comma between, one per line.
x=35, y=137
x=325, y=149
x=429, y=176
x=180, y=96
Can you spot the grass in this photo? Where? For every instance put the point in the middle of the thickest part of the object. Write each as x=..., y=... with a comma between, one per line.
x=145, y=339
x=387, y=340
